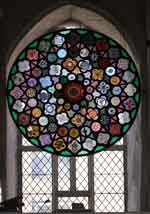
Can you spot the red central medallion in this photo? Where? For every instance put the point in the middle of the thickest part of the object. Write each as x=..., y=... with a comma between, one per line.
x=74, y=91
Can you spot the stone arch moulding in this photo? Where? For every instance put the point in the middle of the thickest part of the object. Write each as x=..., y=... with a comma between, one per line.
x=57, y=17
x=98, y=23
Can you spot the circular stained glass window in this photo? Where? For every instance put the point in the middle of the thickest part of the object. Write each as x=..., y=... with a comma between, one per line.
x=73, y=92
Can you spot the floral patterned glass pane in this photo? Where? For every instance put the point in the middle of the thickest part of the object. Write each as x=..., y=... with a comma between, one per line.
x=73, y=92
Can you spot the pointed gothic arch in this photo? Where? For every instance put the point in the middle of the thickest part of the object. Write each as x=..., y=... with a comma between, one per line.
x=89, y=18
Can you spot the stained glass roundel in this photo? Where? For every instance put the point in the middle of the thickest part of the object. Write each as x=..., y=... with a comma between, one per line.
x=73, y=92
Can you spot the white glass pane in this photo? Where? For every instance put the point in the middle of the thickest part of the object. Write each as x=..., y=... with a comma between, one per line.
x=109, y=203
x=36, y=180
x=63, y=173
x=108, y=162
x=37, y=203
x=66, y=202
x=109, y=181
x=25, y=142
x=82, y=173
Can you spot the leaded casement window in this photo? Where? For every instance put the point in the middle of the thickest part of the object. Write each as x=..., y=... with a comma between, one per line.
x=54, y=183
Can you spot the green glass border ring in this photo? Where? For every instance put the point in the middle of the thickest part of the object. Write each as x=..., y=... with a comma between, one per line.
x=73, y=92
